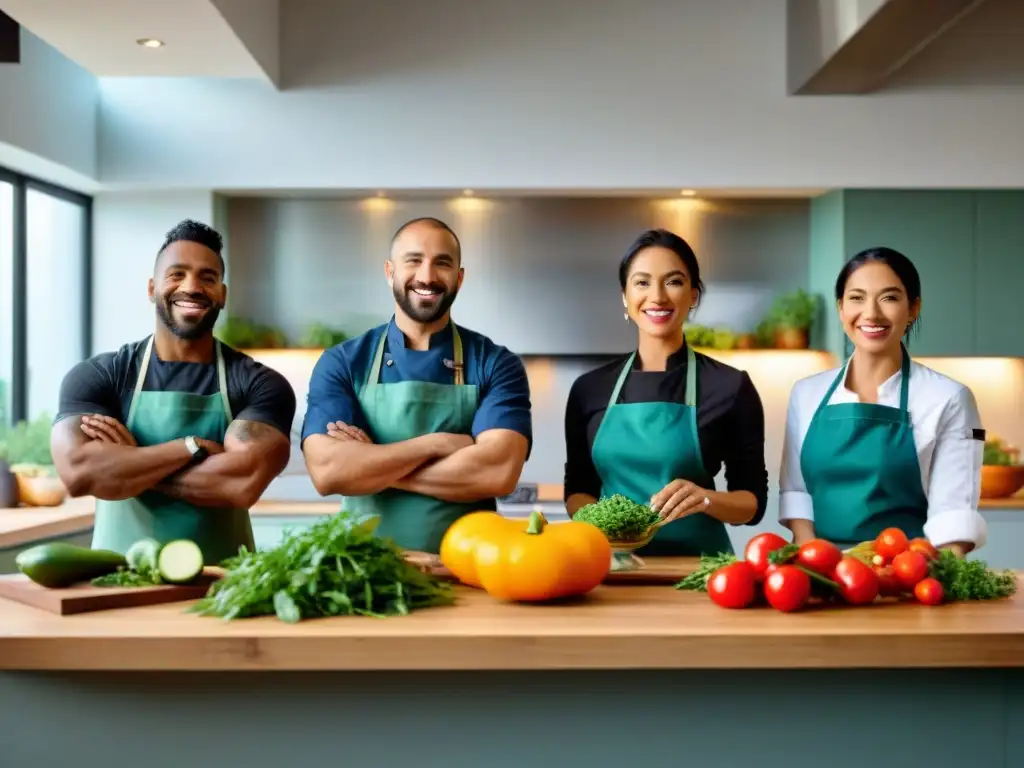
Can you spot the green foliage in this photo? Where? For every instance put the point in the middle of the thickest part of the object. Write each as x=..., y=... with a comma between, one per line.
x=793, y=310
x=337, y=567
x=321, y=336
x=240, y=333
x=27, y=442
x=997, y=454
x=619, y=518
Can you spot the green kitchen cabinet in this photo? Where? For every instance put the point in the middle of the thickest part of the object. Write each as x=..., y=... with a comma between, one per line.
x=967, y=246
x=998, y=279
x=935, y=230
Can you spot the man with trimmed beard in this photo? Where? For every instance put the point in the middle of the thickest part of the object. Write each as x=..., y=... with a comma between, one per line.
x=176, y=435
x=418, y=421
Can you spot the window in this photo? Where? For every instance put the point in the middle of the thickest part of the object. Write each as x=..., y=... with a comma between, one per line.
x=56, y=337
x=45, y=292
x=6, y=298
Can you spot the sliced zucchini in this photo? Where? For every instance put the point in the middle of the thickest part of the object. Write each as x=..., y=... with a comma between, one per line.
x=180, y=561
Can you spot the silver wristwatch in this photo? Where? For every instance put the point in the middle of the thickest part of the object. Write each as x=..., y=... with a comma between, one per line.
x=198, y=452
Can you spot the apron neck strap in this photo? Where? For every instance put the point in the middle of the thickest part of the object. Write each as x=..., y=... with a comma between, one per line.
x=904, y=381
x=373, y=375
x=222, y=381
x=689, y=399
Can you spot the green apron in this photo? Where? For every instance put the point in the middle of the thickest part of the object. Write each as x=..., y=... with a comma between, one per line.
x=402, y=411
x=859, y=463
x=160, y=417
x=642, y=447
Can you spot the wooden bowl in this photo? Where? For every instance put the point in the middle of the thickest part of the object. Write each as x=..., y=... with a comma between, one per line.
x=1000, y=481
x=40, y=490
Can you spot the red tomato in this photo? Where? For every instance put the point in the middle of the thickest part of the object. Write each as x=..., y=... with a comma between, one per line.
x=858, y=583
x=819, y=556
x=928, y=591
x=787, y=588
x=758, y=549
x=733, y=585
x=910, y=567
x=925, y=547
x=890, y=543
x=889, y=583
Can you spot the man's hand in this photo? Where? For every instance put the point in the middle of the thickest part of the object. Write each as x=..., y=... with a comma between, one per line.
x=107, y=430
x=678, y=499
x=339, y=430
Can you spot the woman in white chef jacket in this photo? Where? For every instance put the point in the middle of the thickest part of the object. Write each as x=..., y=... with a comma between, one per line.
x=882, y=440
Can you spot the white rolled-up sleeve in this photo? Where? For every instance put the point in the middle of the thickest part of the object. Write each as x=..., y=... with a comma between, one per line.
x=794, y=500
x=954, y=477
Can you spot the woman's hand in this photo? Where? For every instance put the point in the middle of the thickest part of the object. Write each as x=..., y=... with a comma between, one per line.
x=679, y=499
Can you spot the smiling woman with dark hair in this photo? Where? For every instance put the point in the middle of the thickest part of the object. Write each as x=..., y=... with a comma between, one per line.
x=882, y=441
x=657, y=424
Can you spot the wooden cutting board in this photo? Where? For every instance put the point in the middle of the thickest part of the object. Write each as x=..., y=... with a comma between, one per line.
x=653, y=573
x=85, y=598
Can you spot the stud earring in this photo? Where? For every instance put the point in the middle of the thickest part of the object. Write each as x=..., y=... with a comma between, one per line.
x=625, y=316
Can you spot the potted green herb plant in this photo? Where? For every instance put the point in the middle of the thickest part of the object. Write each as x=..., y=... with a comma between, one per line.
x=790, y=319
x=240, y=333
x=321, y=336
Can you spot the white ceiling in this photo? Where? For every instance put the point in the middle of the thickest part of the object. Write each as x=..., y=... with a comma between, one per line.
x=203, y=38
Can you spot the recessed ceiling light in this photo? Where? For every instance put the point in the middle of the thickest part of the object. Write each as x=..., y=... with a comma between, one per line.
x=688, y=192
x=467, y=192
x=150, y=42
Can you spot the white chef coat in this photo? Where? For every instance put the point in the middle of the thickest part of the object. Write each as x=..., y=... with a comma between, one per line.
x=944, y=415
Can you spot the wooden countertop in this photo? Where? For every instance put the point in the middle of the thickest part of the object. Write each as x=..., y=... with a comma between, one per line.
x=615, y=627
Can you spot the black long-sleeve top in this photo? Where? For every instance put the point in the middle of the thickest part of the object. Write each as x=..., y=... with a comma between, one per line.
x=730, y=420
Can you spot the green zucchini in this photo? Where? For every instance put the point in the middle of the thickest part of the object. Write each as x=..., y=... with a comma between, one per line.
x=180, y=561
x=142, y=555
x=57, y=564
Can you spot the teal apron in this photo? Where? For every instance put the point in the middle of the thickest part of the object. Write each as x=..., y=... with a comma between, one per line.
x=859, y=463
x=402, y=411
x=160, y=417
x=642, y=447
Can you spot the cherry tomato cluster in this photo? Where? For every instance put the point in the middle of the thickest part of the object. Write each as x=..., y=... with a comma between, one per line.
x=787, y=576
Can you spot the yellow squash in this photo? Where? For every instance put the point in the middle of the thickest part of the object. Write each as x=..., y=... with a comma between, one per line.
x=541, y=561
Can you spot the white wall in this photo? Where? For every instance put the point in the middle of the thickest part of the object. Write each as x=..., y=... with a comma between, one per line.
x=128, y=230
x=48, y=115
x=562, y=94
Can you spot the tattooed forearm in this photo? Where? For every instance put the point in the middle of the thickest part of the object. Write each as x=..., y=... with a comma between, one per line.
x=248, y=431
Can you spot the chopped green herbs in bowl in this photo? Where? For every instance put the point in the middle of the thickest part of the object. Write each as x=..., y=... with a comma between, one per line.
x=621, y=519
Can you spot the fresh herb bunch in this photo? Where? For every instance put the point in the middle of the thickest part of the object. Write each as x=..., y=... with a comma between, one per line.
x=619, y=518
x=337, y=567
x=971, y=579
x=126, y=577
x=708, y=564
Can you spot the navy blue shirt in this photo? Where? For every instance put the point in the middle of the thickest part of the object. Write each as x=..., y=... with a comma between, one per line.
x=341, y=371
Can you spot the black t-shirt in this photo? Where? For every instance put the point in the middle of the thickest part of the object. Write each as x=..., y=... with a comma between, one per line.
x=105, y=383
x=730, y=420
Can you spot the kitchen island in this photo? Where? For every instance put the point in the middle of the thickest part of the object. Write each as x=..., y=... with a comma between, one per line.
x=639, y=675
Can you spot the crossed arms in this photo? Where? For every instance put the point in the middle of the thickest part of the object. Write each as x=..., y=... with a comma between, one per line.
x=95, y=455
x=443, y=465
x=342, y=459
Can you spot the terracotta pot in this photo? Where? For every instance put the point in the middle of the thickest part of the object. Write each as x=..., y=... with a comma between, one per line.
x=41, y=490
x=1001, y=482
x=746, y=341
x=8, y=487
x=791, y=338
